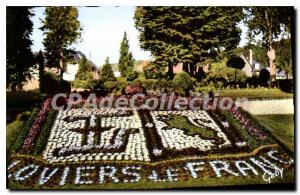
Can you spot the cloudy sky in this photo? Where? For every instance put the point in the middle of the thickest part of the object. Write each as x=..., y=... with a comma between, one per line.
x=103, y=29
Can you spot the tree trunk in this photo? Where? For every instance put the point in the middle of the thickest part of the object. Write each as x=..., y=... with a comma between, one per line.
x=170, y=73
x=271, y=51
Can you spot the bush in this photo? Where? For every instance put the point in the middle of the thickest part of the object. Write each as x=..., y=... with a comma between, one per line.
x=286, y=85
x=183, y=82
x=81, y=84
x=19, y=140
x=51, y=83
x=45, y=132
x=264, y=77
x=110, y=86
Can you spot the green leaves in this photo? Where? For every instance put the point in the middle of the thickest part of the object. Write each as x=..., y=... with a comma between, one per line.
x=190, y=35
x=62, y=29
x=19, y=57
x=107, y=73
x=126, y=61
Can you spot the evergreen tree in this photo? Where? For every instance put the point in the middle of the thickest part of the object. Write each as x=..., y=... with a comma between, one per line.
x=191, y=35
x=126, y=61
x=85, y=72
x=40, y=60
x=268, y=22
x=62, y=29
x=19, y=57
x=107, y=73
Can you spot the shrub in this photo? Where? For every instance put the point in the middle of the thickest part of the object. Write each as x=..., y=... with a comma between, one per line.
x=24, y=131
x=183, y=82
x=110, y=86
x=51, y=83
x=45, y=132
x=264, y=77
x=81, y=84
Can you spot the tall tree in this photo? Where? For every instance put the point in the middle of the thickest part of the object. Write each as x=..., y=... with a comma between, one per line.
x=41, y=62
x=19, y=57
x=270, y=22
x=126, y=61
x=191, y=35
x=62, y=29
x=107, y=73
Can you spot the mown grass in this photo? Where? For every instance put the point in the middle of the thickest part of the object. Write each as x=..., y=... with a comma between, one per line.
x=181, y=122
x=281, y=126
x=258, y=93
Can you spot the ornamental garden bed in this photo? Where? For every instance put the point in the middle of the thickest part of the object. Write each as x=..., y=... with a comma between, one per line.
x=82, y=148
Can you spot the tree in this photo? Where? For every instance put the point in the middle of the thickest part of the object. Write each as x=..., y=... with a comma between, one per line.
x=41, y=62
x=107, y=73
x=235, y=62
x=126, y=61
x=284, y=56
x=85, y=72
x=19, y=57
x=191, y=35
x=270, y=22
x=62, y=29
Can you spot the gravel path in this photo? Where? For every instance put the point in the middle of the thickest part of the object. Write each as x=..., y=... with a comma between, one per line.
x=284, y=106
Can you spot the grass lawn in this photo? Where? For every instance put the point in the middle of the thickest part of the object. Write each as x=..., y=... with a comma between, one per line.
x=281, y=126
x=182, y=123
x=258, y=93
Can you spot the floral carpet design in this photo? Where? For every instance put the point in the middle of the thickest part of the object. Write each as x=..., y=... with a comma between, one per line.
x=106, y=147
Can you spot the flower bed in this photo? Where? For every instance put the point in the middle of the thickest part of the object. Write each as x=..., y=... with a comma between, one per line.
x=97, y=146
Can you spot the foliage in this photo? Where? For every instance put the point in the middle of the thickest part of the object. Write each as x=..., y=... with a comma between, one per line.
x=270, y=22
x=264, y=77
x=51, y=83
x=62, y=29
x=45, y=132
x=85, y=71
x=235, y=62
x=222, y=75
x=284, y=55
x=190, y=35
x=23, y=99
x=107, y=73
x=131, y=74
x=14, y=129
x=183, y=81
x=126, y=61
x=19, y=140
x=41, y=62
x=153, y=71
x=82, y=84
x=19, y=57
x=36, y=126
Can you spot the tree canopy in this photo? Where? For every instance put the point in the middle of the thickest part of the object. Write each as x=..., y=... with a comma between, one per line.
x=191, y=35
x=270, y=23
x=19, y=57
x=62, y=29
x=126, y=61
x=107, y=73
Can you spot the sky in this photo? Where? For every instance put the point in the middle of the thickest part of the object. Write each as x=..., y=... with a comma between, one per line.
x=103, y=30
